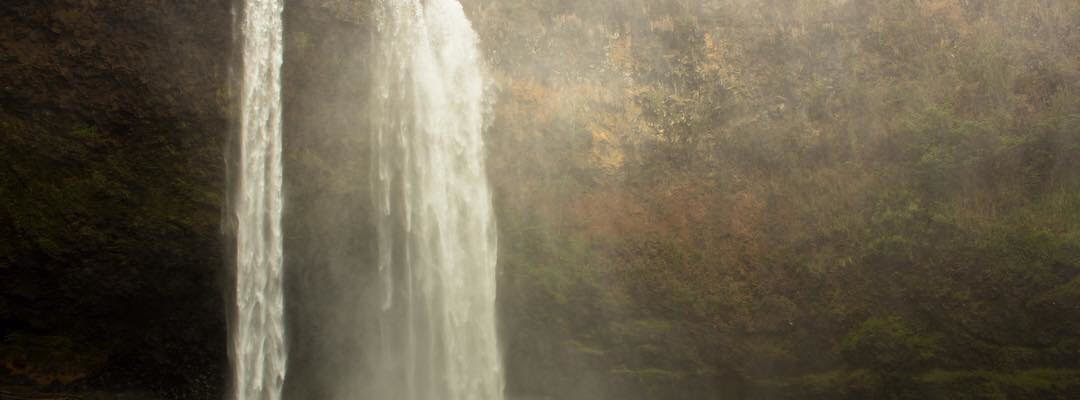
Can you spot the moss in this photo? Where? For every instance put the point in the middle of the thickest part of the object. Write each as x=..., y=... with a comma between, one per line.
x=583, y=349
x=888, y=344
x=1034, y=383
x=649, y=375
x=839, y=383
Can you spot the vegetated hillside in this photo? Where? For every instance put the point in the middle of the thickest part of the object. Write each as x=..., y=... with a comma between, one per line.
x=787, y=199
x=112, y=120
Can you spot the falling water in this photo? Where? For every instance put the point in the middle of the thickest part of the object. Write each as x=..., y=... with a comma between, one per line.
x=436, y=229
x=258, y=348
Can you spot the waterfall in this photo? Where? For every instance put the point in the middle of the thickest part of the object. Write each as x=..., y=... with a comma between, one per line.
x=436, y=236
x=258, y=339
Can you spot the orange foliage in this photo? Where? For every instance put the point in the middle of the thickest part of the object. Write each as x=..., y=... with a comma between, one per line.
x=621, y=54
x=609, y=213
x=531, y=100
x=678, y=211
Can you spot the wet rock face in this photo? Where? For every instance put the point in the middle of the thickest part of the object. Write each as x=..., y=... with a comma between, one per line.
x=327, y=230
x=113, y=117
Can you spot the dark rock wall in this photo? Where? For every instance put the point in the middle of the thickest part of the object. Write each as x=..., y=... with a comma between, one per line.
x=113, y=116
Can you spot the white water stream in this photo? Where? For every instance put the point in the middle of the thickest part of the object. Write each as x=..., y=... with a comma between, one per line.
x=258, y=337
x=436, y=228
